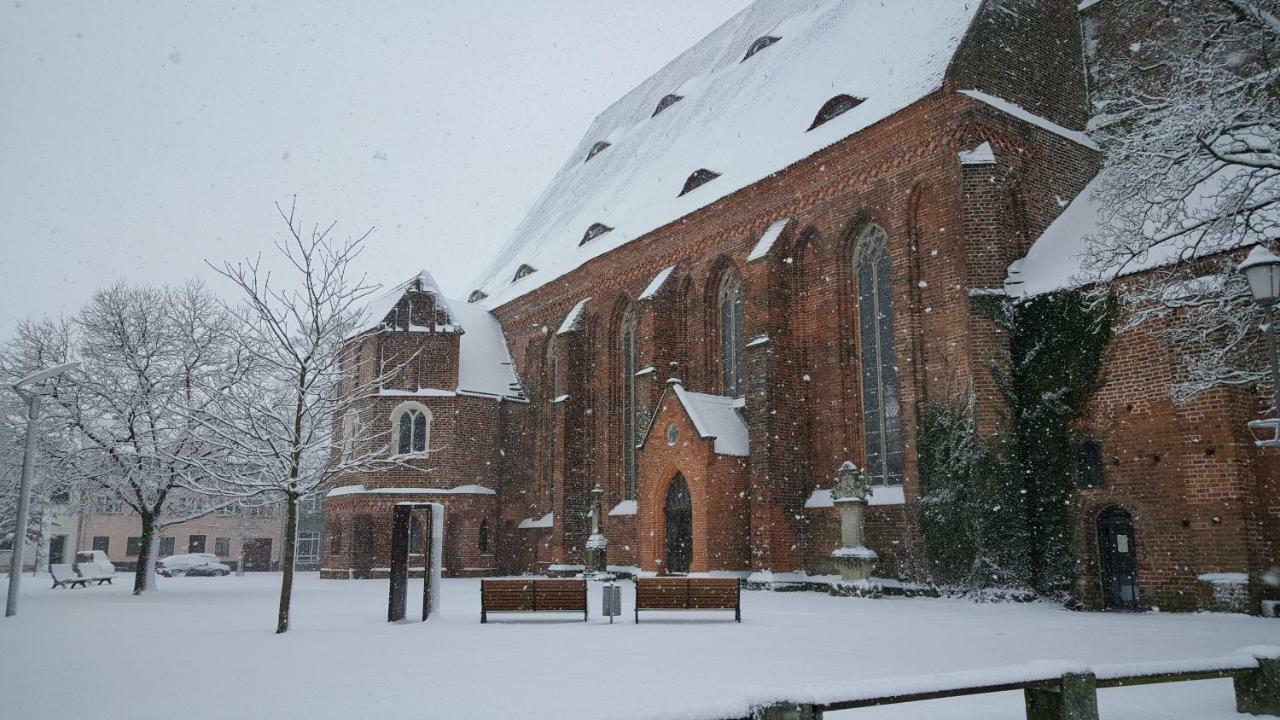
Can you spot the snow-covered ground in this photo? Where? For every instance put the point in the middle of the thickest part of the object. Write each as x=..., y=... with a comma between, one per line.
x=101, y=653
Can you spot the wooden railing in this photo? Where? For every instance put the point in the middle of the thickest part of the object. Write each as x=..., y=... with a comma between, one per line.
x=1052, y=690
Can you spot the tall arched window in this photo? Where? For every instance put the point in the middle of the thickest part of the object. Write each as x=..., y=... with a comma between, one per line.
x=413, y=428
x=880, y=397
x=549, y=430
x=732, y=356
x=483, y=541
x=627, y=348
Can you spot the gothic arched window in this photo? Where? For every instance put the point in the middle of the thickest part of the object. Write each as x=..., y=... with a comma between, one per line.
x=880, y=393
x=732, y=346
x=549, y=426
x=483, y=541
x=627, y=348
x=413, y=428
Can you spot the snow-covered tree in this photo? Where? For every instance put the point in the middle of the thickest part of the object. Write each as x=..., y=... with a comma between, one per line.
x=277, y=423
x=118, y=427
x=1190, y=124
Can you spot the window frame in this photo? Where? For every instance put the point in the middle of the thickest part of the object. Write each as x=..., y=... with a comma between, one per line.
x=877, y=359
x=415, y=411
x=629, y=360
x=731, y=316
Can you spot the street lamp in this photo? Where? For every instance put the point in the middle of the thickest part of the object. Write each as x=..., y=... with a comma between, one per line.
x=1262, y=269
x=24, y=489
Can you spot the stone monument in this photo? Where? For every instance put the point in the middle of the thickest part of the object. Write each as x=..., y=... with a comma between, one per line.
x=853, y=559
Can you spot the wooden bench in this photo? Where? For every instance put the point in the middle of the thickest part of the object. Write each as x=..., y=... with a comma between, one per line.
x=668, y=593
x=532, y=596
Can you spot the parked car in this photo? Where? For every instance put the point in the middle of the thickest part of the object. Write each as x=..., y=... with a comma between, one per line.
x=192, y=564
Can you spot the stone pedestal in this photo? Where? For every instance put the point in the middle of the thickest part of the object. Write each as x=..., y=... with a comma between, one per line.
x=853, y=559
x=595, y=552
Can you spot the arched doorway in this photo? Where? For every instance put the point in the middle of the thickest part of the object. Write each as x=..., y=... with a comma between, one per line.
x=1117, y=559
x=679, y=518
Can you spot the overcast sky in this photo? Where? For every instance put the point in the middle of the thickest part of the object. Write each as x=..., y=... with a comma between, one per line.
x=138, y=140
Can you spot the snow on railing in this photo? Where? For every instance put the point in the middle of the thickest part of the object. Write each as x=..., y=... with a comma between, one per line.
x=1054, y=690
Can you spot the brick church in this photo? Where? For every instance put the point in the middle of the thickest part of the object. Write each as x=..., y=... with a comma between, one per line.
x=760, y=263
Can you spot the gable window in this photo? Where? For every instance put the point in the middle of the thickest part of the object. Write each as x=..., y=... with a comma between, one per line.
x=1090, y=469
x=760, y=44
x=483, y=541
x=666, y=102
x=835, y=107
x=732, y=345
x=882, y=429
x=523, y=271
x=593, y=232
x=697, y=180
x=627, y=347
x=413, y=428
x=596, y=150
x=476, y=296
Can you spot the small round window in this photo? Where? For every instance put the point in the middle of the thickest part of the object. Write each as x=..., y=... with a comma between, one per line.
x=673, y=434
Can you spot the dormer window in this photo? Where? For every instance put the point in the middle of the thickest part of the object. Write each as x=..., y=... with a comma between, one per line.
x=596, y=150
x=593, y=232
x=834, y=107
x=476, y=296
x=665, y=103
x=523, y=271
x=697, y=180
x=760, y=44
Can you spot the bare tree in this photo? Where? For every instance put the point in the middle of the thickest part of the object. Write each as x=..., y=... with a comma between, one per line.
x=1190, y=124
x=277, y=423
x=119, y=425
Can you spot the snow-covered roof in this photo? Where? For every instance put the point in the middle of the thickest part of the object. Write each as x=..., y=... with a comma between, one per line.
x=714, y=417
x=360, y=490
x=1056, y=259
x=545, y=521
x=574, y=317
x=379, y=306
x=484, y=363
x=770, y=236
x=656, y=283
x=980, y=155
x=742, y=118
x=1008, y=108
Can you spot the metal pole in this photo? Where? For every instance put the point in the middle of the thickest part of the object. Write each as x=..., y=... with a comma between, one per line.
x=1275, y=358
x=24, y=506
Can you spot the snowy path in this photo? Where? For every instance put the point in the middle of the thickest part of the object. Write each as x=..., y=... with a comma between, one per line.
x=69, y=650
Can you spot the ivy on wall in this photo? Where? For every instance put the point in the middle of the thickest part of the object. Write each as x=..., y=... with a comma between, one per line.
x=997, y=510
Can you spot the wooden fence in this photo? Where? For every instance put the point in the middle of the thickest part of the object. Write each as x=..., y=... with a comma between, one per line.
x=1052, y=691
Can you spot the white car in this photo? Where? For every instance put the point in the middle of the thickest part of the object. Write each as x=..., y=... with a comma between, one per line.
x=192, y=564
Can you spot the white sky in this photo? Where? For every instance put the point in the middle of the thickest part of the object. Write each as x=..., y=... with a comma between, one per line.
x=139, y=139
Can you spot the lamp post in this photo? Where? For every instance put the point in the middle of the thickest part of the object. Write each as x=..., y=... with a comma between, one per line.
x=1262, y=269
x=24, y=488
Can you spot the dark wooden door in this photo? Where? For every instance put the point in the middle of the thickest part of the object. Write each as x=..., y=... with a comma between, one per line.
x=257, y=554
x=1117, y=554
x=679, y=519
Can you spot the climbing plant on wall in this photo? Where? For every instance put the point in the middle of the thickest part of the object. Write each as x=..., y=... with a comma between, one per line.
x=995, y=509
x=1056, y=346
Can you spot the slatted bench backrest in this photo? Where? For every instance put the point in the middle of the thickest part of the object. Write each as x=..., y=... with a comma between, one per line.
x=687, y=593
x=533, y=595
